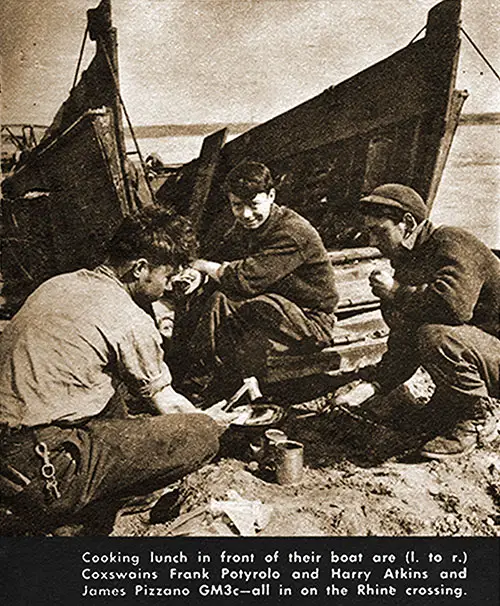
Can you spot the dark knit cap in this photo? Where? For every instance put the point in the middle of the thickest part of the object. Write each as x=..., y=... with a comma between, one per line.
x=395, y=195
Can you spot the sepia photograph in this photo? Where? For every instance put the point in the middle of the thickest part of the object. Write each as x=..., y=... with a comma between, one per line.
x=250, y=269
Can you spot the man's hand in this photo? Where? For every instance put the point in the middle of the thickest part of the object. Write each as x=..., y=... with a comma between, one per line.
x=356, y=394
x=210, y=268
x=383, y=285
x=219, y=415
x=168, y=401
x=188, y=280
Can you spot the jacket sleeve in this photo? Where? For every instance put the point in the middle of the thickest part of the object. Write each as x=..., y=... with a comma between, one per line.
x=230, y=247
x=451, y=293
x=257, y=273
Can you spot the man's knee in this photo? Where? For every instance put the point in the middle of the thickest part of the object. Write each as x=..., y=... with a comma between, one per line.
x=459, y=358
x=206, y=431
x=433, y=339
x=260, y=311
x=200, y=437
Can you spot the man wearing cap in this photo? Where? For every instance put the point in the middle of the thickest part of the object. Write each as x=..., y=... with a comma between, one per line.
x=442, y=305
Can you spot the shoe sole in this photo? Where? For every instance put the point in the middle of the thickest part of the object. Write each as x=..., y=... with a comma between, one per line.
x=444, y=456
x=491, y=437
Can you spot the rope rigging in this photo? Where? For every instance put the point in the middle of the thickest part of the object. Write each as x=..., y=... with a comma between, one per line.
x=122, y=103
x=474, y=46
x=481, y=54
x=129, y=123
x=80, y=57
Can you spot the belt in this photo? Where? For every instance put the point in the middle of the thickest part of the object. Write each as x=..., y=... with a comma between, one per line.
x=7, y=431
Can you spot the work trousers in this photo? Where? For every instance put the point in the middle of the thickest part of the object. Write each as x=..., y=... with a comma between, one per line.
x=463, y=361
x=103, y=461
x=236, y=337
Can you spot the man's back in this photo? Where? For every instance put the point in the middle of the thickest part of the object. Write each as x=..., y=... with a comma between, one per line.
x=65, y=351
x=462, y=274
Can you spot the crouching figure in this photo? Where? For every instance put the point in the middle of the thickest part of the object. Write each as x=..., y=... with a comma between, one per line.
x=442, y=305
x=270, y=288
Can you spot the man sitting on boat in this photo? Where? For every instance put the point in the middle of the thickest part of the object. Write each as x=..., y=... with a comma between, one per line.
x=443, y=308
x=68, y=449
x=272, y=289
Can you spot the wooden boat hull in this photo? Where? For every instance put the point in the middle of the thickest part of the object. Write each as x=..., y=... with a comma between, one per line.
x=63, y=205
x=393, y=122
x=63, y=202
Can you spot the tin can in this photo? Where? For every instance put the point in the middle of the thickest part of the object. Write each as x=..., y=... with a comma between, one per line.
x=273, y=436
x=289, y=461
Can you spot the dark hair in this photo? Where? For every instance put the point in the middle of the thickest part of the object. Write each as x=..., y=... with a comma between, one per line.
x=379, y=210
x=248, y=179
x=156, y=234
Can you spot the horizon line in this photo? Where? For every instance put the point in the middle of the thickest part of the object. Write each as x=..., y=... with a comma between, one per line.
x=206, y=128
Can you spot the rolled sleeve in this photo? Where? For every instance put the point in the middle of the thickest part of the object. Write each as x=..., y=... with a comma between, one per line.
x=140, y=356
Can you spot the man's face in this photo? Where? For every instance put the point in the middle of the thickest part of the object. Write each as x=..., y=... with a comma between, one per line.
x=252, y=213
x=153, y=281
x=385, y=234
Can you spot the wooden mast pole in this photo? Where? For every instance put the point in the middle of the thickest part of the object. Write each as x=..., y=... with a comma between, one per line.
x=105, y=35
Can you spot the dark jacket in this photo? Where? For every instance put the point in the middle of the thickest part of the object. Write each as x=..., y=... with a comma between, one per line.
x=450, y=277
x=285, y=256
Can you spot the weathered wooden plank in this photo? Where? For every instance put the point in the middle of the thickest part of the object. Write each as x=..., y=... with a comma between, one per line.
x=357, y=106
x=415, y=81
x=350, y=255
x=352, y=282
x=361, y=341
x=209, y=157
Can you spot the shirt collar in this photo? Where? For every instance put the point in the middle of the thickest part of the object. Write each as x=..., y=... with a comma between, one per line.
x=109, y=273
x=410, y=241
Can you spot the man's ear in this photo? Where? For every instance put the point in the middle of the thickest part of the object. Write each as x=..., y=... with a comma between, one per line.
x=410, y=223
x=138, y=266
x=272, y=194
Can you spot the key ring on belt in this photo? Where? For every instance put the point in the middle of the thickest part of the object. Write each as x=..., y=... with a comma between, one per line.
x=48, y=470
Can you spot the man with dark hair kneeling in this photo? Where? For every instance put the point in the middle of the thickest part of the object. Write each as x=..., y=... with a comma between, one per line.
x=271, y=288
x=443, y=308
x=69, y=451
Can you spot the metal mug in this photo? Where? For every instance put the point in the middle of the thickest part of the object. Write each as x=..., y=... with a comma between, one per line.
x=262, y=449
x=289, y=461
x=273, y=436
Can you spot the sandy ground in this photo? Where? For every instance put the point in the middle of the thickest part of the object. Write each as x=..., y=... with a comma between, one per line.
x=361, y=477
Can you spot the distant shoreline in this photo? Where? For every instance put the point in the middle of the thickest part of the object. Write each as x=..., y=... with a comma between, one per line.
x=156, y=131
x=475, y=119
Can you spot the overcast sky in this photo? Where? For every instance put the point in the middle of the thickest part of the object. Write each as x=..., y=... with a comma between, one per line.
x=189, y=61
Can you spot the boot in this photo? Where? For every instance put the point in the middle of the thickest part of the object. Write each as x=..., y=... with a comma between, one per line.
x=479, y=428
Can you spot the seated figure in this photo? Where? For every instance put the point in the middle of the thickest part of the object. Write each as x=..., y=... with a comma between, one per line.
x=271, y=288
x=69, y=452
